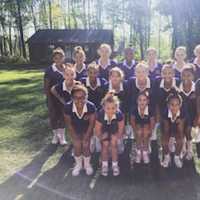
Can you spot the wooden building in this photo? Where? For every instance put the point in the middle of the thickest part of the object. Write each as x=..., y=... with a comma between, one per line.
x=42, y=43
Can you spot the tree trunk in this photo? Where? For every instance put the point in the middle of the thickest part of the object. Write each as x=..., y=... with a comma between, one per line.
x=21, y=29
x=50, y=15
x=34, y=18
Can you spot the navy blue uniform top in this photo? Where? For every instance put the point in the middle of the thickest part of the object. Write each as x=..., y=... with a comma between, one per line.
x=53, y=75
x=129, y=71
x=197, y=87
x=189, y=102
x=110, y=127
x=143, y=120
x=82, y=73
x=104, y=71
x=133, y=92
x=96, y=94
x=63, y=92
x=156, y=73
x=161, y=93
x=122, y=94
x=79, y=123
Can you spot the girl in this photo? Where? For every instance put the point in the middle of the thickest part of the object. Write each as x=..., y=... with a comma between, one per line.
x=79, y=59
x=180, y=56
x=104, y=62
x=62, y=91
x=187, y=92
x=153, y=65
x=143, y=122
x=172, y=125
x=117, y=85
x=164, y=86
x=94, y=85
x=54, y=75
x=128, y=65
x=109, y=128
x=139, y=83
x=197, y=61
x=79, y=116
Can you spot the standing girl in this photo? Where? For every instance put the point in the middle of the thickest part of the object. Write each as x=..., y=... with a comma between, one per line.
x=196, y=61
x=109, y=128
x=143, y=122
x=79, y=116
x=180, y=57
x=153, y=65
x=128, y=65
x=104, y=62
x=54, y=75
x=79, y=59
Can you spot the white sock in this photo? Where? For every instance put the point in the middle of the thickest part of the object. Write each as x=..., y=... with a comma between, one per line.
x=61, y=131
x=55, y=131
x=86, y=160
x=114, y=163
x=78, y=160
x=105, y=163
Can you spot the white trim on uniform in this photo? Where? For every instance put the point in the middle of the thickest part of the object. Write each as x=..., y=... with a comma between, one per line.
x=148, y=85
x=83, y=68
x=55, y=69
x=146, y=111
x=89, y=85
x=110, y=87
x=191, y=90
x=173, y=85
x=74, y=110
x=106, y=118
x=171, y=117
x=129, y=66
x=104, y=66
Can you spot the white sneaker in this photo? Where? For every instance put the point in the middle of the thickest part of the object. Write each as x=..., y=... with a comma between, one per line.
x=145, y=155
x=87, y=166
x=104, y=170
x=61, y=137
x=55, y=137
x=166, y=161
x=178, y=162
x=138, y=156
x=189, y=153
x=116, y=170
x=78, y=166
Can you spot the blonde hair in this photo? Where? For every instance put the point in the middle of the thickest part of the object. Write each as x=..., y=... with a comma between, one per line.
x=78, y=50
x=196, y=49
x=58, y=51
x=110, y=97
x=151, y=49
x=93, y=65
x=104, y=45
x=142, y=65
x=118, y=71
x=181, y=48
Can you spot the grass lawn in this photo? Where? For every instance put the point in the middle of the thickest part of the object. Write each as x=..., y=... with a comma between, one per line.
x=24, y=129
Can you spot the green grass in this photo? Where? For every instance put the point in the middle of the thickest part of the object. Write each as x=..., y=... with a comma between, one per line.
x=24, y=128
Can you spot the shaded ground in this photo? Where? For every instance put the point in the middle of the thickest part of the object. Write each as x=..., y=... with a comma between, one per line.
x=31, y=169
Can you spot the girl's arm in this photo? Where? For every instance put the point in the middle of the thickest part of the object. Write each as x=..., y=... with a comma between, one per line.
x=121, y=128
x=68, y=122
x=152, y=123
x=55, y=93
x=98, y=129
x=90, y=129
x=133, y=123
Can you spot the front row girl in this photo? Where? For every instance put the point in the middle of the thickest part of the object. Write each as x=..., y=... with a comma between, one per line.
x=172, y=125
x=79, y=115
x=143, y=122
x=109, y=128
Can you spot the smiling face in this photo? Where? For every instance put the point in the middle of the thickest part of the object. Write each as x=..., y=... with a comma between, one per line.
x=174, y=106
x=110, y=108
x=129, y=55
x=79, y=98
x=58, y=59
x=141, y=73
x=187, y=76
x=79, y=58
x=151, y=55
x=167, y=74
x=142, y=101
x=92, y=74
x=104, y=52
x=69, y=75
x=115, y=78
x=180, y=55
